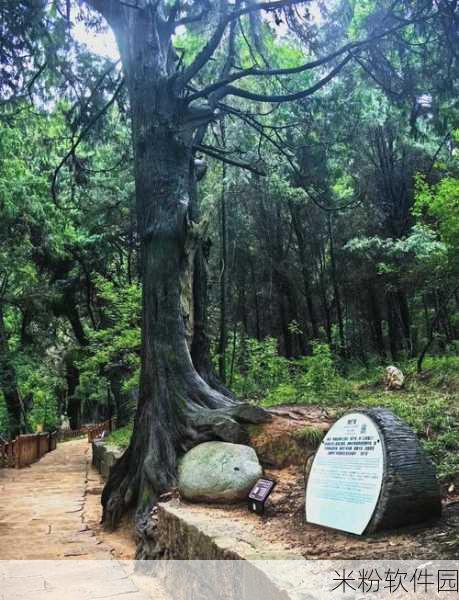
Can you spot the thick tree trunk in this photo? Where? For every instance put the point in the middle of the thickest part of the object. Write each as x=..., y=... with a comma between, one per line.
x=177, y=408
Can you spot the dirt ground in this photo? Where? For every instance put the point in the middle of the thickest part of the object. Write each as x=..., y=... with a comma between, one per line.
x=283, y=523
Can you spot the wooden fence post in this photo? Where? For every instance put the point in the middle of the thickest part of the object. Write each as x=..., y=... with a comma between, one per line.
x=17, y=448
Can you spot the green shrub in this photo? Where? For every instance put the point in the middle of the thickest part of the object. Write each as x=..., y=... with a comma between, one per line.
x=120, y=437
x=260, y=369
x=284, y=393
x=321, y=380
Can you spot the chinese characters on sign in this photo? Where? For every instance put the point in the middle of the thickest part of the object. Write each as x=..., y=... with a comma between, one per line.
x=346, y=476
x=259, y=494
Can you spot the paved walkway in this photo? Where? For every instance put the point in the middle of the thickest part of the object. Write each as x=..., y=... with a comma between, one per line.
x=43, y=518
x=41, y=508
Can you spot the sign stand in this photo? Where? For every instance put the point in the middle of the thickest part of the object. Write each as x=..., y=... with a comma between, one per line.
x=259, y=494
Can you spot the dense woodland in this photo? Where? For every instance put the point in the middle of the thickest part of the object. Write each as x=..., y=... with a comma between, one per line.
x=281, y=180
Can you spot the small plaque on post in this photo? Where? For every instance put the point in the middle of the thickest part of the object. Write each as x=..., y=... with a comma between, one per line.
x=259, y=494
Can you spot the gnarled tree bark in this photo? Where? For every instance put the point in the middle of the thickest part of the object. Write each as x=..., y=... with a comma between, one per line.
x=177, y=408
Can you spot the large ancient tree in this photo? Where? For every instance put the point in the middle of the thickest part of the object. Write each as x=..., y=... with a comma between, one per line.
x=170, y=111
x=173, y=100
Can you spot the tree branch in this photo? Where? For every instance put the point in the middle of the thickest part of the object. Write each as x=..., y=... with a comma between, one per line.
x=205, y=54
x=256, y=72
x=96, y=117
x=223, y=158
x=194, y=19
x=231, y=90
x=225, y=18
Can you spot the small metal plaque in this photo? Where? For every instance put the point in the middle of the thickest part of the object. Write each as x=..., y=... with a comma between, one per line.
x=259, y=494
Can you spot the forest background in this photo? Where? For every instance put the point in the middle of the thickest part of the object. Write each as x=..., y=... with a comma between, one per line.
x=331, y=226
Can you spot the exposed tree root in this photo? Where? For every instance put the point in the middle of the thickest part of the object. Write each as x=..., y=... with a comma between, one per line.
x=148, y=467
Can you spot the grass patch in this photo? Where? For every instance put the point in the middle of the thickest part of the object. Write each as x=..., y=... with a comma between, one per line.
x=310, y=436
x=429, y=402
x=120, y=437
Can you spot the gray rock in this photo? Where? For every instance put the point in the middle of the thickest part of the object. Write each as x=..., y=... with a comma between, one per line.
x=218, y=472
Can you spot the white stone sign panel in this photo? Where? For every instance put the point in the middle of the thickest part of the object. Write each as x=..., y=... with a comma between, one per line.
x=346, y=475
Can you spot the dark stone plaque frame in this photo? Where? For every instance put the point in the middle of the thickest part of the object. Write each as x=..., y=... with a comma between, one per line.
x=410, y=493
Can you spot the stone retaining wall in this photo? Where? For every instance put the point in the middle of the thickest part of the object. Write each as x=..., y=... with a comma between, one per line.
x=190, y=533
x=248, y=568
x=104, y=456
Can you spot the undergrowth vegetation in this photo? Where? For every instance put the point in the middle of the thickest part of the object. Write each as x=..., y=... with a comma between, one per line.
x=120, y=437
x=428, y=402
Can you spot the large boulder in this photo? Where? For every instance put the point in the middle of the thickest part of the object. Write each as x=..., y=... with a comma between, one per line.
x=218, y=472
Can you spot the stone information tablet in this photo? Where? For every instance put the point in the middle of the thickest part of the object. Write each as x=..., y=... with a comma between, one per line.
x=370, y=473
x=346, y=476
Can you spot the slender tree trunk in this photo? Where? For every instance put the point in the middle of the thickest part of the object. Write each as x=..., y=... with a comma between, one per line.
x=302, y=254
x=256, y=302
x=223, y=339
x=336, y=290
x=70, y=310
x=284, y=323
x=425, y=303
x=392, y=326
x=326, y=310
x=376, y=320
x=299, y=344
x=8, y=384
x=72, y=376
x=122, y=399
x=405, y=319
x=431, y=327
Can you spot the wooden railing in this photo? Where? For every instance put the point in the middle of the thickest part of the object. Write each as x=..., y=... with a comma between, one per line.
x=53, y=441
x=26, y=449
x=71, y=434
x=98, y=430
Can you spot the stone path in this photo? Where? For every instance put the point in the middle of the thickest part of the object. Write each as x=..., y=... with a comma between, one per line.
x=41, y=509
x=42, y=519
